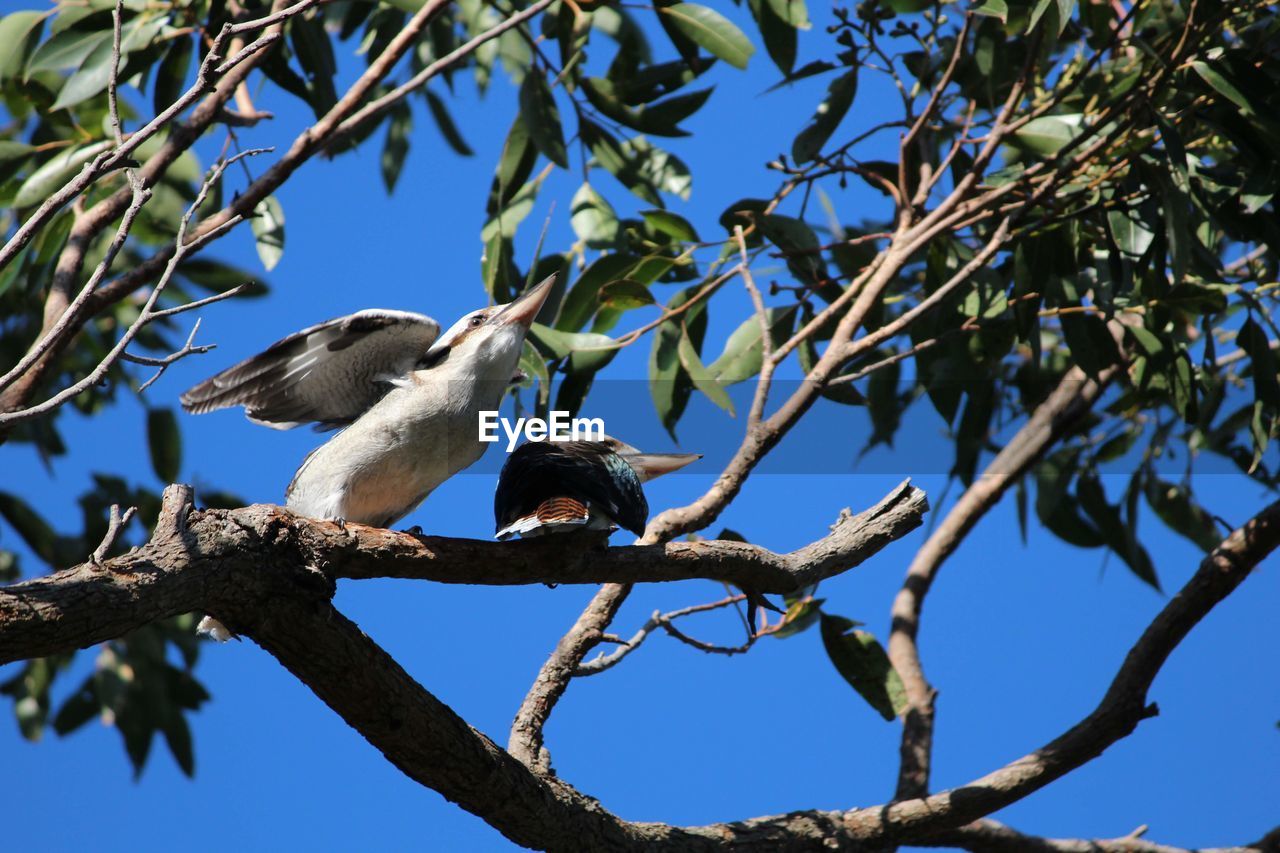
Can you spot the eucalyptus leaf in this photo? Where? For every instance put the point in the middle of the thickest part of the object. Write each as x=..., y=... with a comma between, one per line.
x=542, y=118
x=165, y=442
x=56, y=171
x=827, y=118
x=862, y=661
x=593, y=218
x=702, y=378
x=711, y=30
x=743, y=352
x=268, y=231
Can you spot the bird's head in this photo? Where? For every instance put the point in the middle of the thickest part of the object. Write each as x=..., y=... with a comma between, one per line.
x=486, y=344
x=649, y=465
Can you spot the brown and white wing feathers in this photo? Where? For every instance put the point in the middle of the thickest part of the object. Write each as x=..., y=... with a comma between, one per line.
x=330, y=373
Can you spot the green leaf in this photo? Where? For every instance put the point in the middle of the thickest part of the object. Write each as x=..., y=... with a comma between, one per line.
x=671, y=224
x=1058, y=510
x=542, y=118
x=583, y=298
x=534, y=367
x=794, y=12
x=19, y=33
x=444, y=121
x=1131, y=234
x=506, y=221
x=11, y=151
x=1119, y=537
x=711, y=30
x=625, y=295
x=165, y=442
x=862, y=662
x=810, y=141
x=658, y=168
x=1253, y=340
x=1047, y=135
x=1065, y=10
x=556, y=343
x=1176, y=508
x=800, y=245
x=884, y=404
x=218, y=277
x=669, y=383
x=809, y=69
x=497, y=270
x=1223, y=86
x=515, y=165
x=993, y=8
x=743, y=352
x=171, y=76
x=268, y=231
x=55, y=172
x=9, y=569
x=67, y=49
x=314, y=53
x=780, y=38
x=702, y=378
x=1091, y=344
x=31, y=527
x=178, y=735
x=593, y=218
x=396, y=147
x=80, y=707
x=801, y=615
x=661, y=118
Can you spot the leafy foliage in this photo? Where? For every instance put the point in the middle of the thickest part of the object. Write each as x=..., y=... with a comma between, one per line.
x=1143, y=256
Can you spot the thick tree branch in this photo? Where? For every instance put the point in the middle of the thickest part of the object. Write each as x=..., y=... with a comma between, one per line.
x=264, y=587
x=527, y=741
x=85, y=604
x=1075, y=395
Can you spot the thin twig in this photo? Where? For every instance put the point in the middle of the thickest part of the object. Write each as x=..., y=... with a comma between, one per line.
x=163, y=363
x=145, y=316
x=763, y=381
x=115, y=525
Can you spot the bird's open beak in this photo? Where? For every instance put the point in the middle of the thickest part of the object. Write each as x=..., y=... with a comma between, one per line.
x=650, y=465
x=524, y=308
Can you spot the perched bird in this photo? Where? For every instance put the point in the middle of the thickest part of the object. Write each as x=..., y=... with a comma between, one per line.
x=555, y=487
x=407, y=399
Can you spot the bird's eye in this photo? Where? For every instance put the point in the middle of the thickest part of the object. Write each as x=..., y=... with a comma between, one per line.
x=477, y=320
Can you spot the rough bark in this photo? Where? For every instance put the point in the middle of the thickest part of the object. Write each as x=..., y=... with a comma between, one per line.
x=254, y=569
x=209, y=560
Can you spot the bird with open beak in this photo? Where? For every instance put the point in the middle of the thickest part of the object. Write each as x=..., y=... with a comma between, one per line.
x=558, y=487
x=407, y=397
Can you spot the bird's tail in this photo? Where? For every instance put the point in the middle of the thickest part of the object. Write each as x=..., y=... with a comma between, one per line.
x=211, y=627
x=553, y=512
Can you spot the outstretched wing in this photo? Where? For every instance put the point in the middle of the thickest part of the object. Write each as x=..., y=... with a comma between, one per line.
x=586, y=471
x=330, y=373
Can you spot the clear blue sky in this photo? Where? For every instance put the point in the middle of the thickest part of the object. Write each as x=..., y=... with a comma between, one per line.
x=1020, y=640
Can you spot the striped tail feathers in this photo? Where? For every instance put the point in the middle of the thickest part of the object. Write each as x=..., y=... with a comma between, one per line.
x=555, y=514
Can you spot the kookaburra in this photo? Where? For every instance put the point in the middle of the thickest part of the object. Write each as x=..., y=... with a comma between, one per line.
x=407, y=398
x=557, y=487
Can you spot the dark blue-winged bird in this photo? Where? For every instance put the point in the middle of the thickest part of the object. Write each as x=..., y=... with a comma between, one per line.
x=557, y=487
